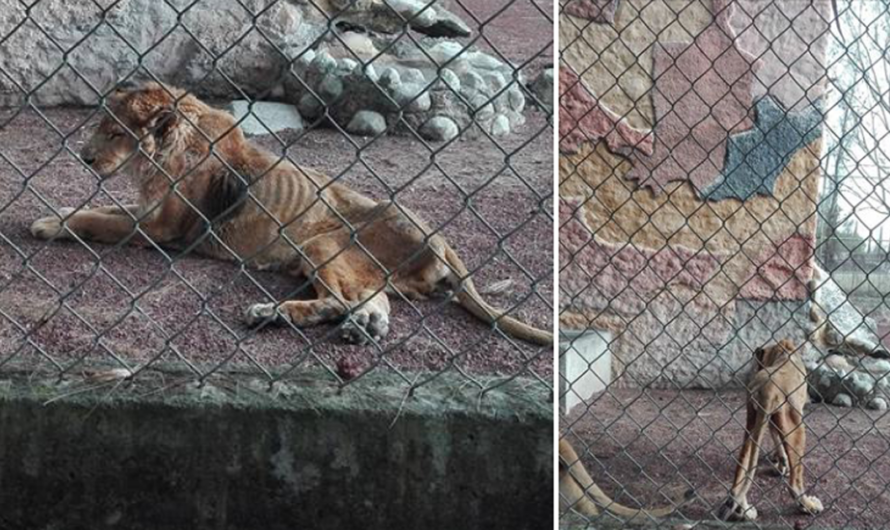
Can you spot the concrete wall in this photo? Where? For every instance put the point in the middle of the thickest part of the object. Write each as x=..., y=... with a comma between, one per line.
x=234, y=456
x=689, y=174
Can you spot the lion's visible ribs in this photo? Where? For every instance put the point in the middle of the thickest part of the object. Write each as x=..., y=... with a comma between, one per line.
x=354, y=249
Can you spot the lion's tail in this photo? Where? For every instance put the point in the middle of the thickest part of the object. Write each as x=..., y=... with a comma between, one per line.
x=470, y=299
x=586, y=489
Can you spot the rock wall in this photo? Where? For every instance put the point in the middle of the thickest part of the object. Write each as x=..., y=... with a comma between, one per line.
x=690, y=136
x=344, y=56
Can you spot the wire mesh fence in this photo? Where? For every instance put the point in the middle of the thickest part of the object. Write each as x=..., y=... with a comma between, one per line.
x=722, y=261
x=273, y=186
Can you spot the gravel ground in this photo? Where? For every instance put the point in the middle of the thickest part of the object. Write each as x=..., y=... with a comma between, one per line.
x=643, y=441
x=138, y=302
x=518, y=30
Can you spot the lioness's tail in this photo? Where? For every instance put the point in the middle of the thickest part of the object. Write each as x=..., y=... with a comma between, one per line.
x=472, y=301
x=579, y=488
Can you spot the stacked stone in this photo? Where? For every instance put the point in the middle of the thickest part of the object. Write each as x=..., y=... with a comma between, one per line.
x=412, y=91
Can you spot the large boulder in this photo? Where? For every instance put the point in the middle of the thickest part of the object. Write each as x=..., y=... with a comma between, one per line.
x=847, y=363
x=67, y=53
x=313, y=55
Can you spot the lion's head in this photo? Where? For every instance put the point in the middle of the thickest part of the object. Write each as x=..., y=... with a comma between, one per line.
x=137, y=122
x=775, y=354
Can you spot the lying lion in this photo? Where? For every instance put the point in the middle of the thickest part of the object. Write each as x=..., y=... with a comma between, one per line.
x=777, y=394
x=578, y=491
x=266, y=211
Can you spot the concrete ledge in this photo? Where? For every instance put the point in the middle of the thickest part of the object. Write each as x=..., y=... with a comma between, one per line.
x=608, y=522
x=585, y=366
x=233, y=455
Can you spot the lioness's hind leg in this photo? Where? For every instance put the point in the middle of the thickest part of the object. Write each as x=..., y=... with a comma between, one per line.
x=779, y=458
x=736, y=507
x=790, y=423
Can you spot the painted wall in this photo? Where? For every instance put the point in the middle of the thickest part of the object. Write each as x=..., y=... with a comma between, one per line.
x=690, y=136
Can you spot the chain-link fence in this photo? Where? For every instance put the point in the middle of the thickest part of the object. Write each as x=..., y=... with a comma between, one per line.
x=722, y=184
x=274, y=187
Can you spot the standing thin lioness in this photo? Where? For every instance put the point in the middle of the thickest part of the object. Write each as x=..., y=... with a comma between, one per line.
x=195, y=171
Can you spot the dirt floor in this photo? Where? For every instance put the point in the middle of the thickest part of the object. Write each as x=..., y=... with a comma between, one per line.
x=140, y=305
x=661, y=440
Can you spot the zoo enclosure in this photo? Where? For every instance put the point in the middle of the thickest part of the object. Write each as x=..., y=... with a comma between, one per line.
x=722, y=185
x=403, y=91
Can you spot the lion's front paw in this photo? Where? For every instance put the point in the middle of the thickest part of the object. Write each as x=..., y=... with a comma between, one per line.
x=50, y=227
x=810, y=505
x=366, y=324
x=732, y=510
x=260, y=313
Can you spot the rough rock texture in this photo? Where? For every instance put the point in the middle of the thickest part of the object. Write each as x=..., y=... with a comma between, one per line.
x=755, y=158
x=843, y=383
x=781, y=272
x=615, y=60
x=847, y=323
x=278, y=50
x=671, y=334
x=82, y=56
x=621, y=278
x=620, y=211
x=601, y=11
x=439, y=128
x=582, y=118
x=848, y=365
x=689, y=284
x=790, y=37
x=702, y=94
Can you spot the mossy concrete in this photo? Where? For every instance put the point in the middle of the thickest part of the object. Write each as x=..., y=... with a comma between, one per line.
x=235, y=453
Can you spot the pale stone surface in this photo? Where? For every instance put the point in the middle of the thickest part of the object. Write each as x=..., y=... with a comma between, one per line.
x=265, y=117
x=500, y=126
x=794, y=59
x=781, y=271
x=215, y=49
x=842, y=400
x=847, y=323
x=255, y=64
x=585, y=367
x=410, y=89
x=388, y=16
x=439, y=129
x=878, y=404
x=367, y=123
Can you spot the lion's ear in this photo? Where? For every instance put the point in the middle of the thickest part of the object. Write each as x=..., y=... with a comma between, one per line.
x=788, y=345
x=124, y=86
x=759, y=354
